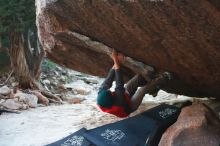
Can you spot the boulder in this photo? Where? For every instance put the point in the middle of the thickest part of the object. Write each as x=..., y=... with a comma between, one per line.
x=178, y=36
x=12, y=104
x=5, y=90
x=29, y=99
x=196, y=125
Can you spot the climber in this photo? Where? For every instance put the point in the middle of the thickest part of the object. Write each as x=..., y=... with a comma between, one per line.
x=124, y=100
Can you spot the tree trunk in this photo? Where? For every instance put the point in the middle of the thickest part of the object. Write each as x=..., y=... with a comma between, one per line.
x=24, y=61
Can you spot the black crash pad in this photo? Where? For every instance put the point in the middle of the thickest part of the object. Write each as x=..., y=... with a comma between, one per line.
x=144, y=129
x=164, y=115
x=75, y=139
x=130, y=132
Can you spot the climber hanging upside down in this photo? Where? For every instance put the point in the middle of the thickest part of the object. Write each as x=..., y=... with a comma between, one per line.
x=124, y=100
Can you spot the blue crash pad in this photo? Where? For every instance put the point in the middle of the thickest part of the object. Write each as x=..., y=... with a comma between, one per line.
x=75, y=139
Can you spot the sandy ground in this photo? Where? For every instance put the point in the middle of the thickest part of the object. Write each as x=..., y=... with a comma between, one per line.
x=44, y=125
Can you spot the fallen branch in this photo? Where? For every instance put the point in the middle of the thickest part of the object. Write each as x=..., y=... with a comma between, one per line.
x=37, y=86
x=41, y=98
x=50, y=95
x=54, y=101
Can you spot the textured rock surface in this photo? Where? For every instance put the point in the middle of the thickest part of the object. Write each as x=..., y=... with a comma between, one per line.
x=29, y=99
x=180, y=36
x=196, y=126
x=12, y=104
x=5, y=90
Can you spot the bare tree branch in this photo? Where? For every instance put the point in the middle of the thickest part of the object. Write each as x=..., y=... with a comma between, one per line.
x=5, y=82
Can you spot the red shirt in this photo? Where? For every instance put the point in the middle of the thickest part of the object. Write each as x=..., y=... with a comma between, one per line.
x=116, y=110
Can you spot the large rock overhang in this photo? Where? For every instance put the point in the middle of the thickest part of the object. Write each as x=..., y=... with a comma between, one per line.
x=179, y=36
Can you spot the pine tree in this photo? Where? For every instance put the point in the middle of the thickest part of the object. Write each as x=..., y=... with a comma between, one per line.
x=17, y=23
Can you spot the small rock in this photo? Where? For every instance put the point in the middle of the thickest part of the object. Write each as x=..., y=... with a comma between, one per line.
x=75, y=100
x=29, y=99
x=15, y=84
x=1, y=101
x=82, y=91
x=25, y=107
x=80, y=87
x=46, y=81
x=56, y=72
x=12, y=104
x=54, y=83
x=3, y=97
x=62, y=87
x=63, y=78
x=90, y=80
x=59, y=68
x=5, y=90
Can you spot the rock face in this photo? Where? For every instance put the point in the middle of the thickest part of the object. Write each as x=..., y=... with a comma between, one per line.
x=179, y=36
x=196, y=126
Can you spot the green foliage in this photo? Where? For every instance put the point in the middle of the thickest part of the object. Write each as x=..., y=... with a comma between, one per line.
x=4, y=59
x=48, y=65
x=16, y=15
x=5, y=41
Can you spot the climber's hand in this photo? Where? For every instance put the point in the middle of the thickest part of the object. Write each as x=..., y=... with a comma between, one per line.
x=114, y=54
x=115, y=58
x=120, y=57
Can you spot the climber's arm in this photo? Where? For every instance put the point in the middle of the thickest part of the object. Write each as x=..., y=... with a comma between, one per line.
x=119, y=89
x=108, y=81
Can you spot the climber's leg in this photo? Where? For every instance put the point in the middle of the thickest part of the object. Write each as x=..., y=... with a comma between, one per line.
x=134, y=83
x=158, y=82
x=138, y=97
x=152, y=88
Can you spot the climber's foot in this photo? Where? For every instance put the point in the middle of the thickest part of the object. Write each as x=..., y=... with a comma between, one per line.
x=161, y=80
x=167, y=75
